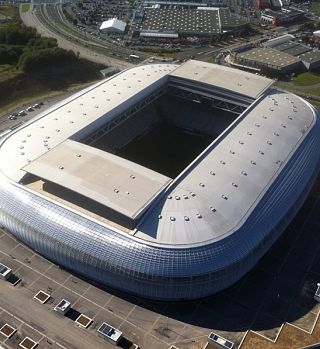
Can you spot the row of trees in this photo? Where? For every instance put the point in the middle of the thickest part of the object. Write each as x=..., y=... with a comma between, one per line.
x=22, y=46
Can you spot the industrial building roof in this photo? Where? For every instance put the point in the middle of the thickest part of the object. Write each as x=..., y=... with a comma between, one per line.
x=269, y=56
x=283, y=13
x=279, y=40
x=198, y=21
x=227, y=21
x=181, y=20
x=156, y=34
x=311, y=56
x=119, y=184
x=292, y=48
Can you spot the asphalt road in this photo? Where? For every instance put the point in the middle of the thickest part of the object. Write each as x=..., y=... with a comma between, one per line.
x=30, y=19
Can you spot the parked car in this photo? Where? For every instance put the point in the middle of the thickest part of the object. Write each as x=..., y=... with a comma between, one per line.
x=22, y=113
x=30, y=109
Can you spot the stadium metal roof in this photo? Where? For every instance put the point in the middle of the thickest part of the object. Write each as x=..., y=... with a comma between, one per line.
x=119, y=184
x=107, y=99
x=224, y=185
x=77, y=112
x=216, y=192
x=224, y=77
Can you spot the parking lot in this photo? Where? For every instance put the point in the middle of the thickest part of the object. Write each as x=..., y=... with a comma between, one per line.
x=279, y=289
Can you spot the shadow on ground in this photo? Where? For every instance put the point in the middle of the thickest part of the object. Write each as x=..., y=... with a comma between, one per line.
x=280, y=288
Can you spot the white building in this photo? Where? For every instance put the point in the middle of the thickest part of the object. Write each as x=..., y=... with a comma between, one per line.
x=114, y=26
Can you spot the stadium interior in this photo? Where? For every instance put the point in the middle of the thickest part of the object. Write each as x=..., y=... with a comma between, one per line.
x=168, y=134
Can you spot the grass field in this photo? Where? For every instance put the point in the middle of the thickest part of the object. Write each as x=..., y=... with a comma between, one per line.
x=10, y=11
x=306, y=84
x=17, y=87
x=315, y=8
x=25, y=7
x=8, y=72
x=306, y=79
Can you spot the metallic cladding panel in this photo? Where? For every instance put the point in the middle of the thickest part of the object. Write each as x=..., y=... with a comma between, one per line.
x=152, y=271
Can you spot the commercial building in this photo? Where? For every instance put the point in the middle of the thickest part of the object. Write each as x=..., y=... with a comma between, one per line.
x=72, y=188
x=309, y=57
x=269, y=58
x=281, y=17
x=176, y=22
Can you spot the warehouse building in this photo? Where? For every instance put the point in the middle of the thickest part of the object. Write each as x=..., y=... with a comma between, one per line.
x=311, y=59
x=269, y=58
x=281, y=17
x=202, y=22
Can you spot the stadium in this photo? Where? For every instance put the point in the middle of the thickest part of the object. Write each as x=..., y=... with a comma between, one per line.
x=164, y=181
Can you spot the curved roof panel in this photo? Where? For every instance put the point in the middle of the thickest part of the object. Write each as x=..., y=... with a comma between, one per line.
x=220, y=188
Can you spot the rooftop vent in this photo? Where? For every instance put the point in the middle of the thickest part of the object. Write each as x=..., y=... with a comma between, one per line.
x=109, y=333
x=5, y=271
x=219, y=341
x=63, y=307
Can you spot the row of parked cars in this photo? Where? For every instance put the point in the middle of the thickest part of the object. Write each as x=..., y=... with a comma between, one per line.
x=23, y=112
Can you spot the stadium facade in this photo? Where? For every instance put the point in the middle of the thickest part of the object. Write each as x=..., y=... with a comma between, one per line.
x=131, y=228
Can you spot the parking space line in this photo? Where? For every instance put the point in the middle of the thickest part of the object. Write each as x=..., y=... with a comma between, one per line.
x=243, y=338
x=87, y=299
x=34, y=329
x=263, y=336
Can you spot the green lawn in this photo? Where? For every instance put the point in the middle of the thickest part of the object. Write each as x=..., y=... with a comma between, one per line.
x=20, y=82
x=212, y=58
x=25, y=7
x=8, y=72
x=17, y=87
x=10, y=11
x=315, y=8
x=306, y=79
